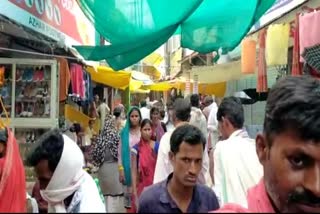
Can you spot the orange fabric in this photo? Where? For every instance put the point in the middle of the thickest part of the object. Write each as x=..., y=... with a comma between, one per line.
x=2, y=69
x=64, y=79
x=262, y=83
x=12, y=179
x=248, y=56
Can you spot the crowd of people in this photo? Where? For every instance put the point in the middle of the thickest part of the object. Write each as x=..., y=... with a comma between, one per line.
x=200, y=159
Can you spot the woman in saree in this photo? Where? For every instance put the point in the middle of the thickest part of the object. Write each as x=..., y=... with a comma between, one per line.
x=143, y=161
x=130, y=135
x=12, y=175
x=158, y=128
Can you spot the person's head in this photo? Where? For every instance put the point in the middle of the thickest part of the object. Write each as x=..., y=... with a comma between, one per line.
x=117, y=112
x=134, y=117
x=146, y=129
x=187, y=145
x=195, y=100
x=46, y=156
x=289, y=148
x=181, y=110
x=143, y=103
x=162, y=114
x=208, y=100
x=230, y=116
x=155, y=114
x=3, y=142
x=76, y=128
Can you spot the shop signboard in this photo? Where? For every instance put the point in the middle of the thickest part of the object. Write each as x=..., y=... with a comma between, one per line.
x=61, y=20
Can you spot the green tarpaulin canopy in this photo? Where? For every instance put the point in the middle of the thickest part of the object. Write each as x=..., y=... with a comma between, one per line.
x=135, y=28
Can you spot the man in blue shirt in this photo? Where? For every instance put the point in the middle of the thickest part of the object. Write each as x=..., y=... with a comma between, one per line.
x=180, y=191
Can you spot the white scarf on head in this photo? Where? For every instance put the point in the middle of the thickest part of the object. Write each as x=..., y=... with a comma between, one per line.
x=66, y=179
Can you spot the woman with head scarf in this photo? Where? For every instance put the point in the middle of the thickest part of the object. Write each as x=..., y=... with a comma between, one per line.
x=130, y=136
x=105, y=156
x=12, y=175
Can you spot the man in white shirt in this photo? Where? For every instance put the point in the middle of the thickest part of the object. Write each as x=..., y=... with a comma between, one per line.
x=181, y=116
x=103, y=111
x=145, y=111
x=236, y=164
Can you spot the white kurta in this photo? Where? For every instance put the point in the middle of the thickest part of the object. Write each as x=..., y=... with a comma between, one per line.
x=236, y=168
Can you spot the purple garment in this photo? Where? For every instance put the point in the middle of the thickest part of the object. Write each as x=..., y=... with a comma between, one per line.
x=156, y=199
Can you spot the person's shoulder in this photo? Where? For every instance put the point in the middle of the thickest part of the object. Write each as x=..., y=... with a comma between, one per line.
x=151, y=195
x=231, y=208
x=205, y=191
x=207, y=196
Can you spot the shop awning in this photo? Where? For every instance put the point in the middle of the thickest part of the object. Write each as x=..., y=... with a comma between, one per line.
x=135, y=85
x=160, y=86
x=107, y=76
x=218, y=73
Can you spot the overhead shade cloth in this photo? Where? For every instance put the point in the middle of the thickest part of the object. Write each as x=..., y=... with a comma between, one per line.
x=135, y=28
x=107, y=76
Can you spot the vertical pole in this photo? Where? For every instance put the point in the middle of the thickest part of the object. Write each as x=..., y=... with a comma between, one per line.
x=127, y=98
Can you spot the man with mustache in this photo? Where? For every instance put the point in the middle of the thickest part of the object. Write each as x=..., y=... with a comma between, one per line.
x=289, y=150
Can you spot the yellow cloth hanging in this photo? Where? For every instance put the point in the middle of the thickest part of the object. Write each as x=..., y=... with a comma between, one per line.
x=277, y=44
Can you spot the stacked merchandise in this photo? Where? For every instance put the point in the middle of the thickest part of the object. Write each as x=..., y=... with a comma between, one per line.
x=6, y=88
x=32, y=91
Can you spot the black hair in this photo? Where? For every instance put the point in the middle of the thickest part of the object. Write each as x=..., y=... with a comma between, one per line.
x=134, y=108
x=182, y=109
x=162, y=113
x=194, y=100
x=153, y=110
x=294, y=104
x=48, y=147
x=143, y=103
x=188, y=134
x=232, y=109
x=145, y=122
x=117, y=111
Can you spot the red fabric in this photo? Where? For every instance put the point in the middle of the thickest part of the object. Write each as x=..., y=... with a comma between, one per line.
x=296, y=66
x=77, y=80
x=262, y=83
x=258, y=202
x=12, y=179
x=146, y=165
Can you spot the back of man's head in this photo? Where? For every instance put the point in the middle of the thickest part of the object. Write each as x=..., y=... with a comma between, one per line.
x=195, y=100
x=294, y=105
x=182, y=109
x=231, y=108
x=48, y=147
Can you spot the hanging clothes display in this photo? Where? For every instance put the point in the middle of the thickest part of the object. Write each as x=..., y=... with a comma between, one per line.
x=77, y=81
x=64, y=79
x=309, y=31
x=248, y=56
x=262, y=83
x=296, y=66
x=277, y=44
